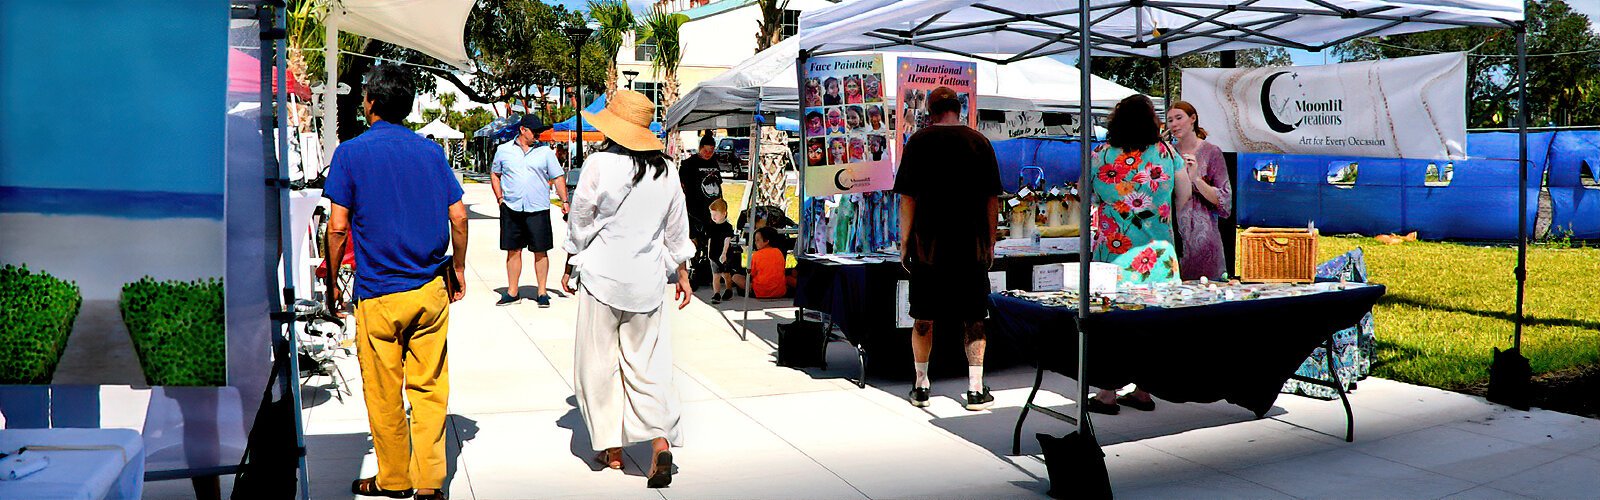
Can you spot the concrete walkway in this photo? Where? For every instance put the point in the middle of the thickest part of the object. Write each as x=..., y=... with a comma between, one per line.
x=755, y=430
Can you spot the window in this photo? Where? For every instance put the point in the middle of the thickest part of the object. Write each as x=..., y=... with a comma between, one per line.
x=791, y=23
x=1437, y=177
x=644, y=49
x=653, y=91
x=1342, y=174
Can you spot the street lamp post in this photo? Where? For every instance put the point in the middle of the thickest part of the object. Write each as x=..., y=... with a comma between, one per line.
x=631, y=74
x=578, y=35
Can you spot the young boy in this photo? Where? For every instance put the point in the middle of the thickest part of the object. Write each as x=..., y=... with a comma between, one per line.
x=719, y=242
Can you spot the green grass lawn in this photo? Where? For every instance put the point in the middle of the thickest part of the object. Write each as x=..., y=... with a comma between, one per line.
x=1448, y=304
x=733, y=192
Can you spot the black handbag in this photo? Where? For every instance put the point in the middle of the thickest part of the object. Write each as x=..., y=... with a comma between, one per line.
x=802, y=344
x=1076, y=465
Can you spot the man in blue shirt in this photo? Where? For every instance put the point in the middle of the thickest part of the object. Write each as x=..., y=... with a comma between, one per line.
x=522, y=174
x=398, y=194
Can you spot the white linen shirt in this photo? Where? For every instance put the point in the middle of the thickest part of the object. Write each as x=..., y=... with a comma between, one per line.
x=627, y=241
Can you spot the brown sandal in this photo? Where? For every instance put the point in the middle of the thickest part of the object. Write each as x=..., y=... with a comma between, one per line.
x=613, y=461
x=661, y=470
x=369, y=488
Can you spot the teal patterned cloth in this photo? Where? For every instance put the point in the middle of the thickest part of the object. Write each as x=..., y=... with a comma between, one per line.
x=1132, y=194
x=1354, y=348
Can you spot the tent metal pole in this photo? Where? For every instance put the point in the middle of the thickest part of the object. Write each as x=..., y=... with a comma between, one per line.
x=286, y=254
x=1522, y=179
x=750, y=196
x=1085, y=136
x=1166, y=75
x=804, y=245
x=330, y=84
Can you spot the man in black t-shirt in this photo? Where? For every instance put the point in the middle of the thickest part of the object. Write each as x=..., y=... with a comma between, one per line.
x=949, y=186
x=692, y=174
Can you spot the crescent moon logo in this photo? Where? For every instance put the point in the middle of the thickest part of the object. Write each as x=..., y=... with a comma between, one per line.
x=839, y=180
x=1266, y=106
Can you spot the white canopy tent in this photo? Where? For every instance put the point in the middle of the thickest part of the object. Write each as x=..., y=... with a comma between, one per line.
x=1026, y=29
x=437, y=129
x=767, y=79
x=433, y=27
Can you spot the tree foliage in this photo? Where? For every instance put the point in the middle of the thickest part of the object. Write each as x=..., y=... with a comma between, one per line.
x=1143, y=74
x=521, y=51
x=1563, y=67
x=769, y=29
x=616, y=22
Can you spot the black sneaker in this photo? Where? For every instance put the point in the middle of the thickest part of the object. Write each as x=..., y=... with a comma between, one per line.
x=506, y=300
x=979, y=400
x=919, y=397
x=543, y=301
x=716, y=297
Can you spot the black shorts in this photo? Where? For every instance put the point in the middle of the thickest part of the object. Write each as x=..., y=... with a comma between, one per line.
x=530, y=230
x=949, y=292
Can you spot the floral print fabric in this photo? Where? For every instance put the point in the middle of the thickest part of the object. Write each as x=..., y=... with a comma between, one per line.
x=1132, y=193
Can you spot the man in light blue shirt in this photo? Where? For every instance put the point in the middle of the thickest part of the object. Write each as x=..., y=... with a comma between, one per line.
x=522, y=174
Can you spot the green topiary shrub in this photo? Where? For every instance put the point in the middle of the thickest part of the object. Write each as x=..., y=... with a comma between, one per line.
x=178, y=329
x=36, y=315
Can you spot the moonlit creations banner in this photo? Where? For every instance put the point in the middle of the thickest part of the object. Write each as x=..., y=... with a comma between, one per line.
x=918, y=77
x=846, y=128
x=1413, y=107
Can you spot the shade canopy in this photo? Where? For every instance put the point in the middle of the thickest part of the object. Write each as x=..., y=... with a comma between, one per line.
x=437, y=129
x=1025, y=29
x=244, y=76
x=568, y=124
x=768, y=78
x=433, y=27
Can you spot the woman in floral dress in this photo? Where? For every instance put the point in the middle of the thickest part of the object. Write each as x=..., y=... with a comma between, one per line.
x=1135, y=174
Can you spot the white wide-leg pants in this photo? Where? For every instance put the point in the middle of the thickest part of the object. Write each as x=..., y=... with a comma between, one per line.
x=624, y=375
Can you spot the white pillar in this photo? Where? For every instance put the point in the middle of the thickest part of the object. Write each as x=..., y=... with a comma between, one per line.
x=330, y=87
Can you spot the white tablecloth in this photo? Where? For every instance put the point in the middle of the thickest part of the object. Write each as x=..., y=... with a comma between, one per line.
x=78, y=474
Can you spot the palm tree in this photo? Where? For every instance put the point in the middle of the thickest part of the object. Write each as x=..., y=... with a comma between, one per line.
x=769, y=30
x=770, y=182
x=663, y=27
x=616, y=22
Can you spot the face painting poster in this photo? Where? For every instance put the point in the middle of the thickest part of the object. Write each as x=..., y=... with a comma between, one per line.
x=846, y=128
x=919, y=77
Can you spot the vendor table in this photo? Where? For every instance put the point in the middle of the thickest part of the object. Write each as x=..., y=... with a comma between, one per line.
x=860, y=298
x=1240, y=351
x=84, y=463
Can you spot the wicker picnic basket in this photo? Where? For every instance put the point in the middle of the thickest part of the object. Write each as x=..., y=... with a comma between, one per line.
x=1277, y=255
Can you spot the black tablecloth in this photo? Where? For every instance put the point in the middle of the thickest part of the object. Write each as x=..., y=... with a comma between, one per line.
x=860, y=299
x=1241, y=351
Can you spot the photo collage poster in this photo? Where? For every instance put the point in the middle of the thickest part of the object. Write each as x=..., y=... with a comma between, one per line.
x=918, y=77
x=846, y=126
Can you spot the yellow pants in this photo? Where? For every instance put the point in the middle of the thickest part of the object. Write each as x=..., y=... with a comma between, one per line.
x=400, y=340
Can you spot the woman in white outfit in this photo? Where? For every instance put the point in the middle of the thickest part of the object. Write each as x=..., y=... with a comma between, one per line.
x=627, y=241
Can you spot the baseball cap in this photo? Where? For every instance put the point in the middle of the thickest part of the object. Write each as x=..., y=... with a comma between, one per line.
x=940, y=94
x=533, y=123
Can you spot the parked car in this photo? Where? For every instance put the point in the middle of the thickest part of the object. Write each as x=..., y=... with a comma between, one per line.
x=733, y=156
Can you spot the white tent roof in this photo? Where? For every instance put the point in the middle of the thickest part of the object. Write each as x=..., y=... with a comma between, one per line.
x=438, y=130
x=433, y=27
x=769, y=78
x=1024, y=29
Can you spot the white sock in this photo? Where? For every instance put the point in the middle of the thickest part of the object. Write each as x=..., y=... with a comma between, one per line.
x=975, y=378
x=922, y=375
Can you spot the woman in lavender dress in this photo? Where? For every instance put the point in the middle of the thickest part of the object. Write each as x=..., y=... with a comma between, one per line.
x=1209, y=198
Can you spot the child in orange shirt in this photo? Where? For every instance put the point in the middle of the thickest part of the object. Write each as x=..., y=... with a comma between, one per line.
x=768, y=277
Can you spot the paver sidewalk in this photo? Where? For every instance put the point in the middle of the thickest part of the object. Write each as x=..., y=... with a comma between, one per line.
x=755, y=430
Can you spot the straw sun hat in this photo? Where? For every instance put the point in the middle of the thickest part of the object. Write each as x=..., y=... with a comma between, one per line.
x=626, y=121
